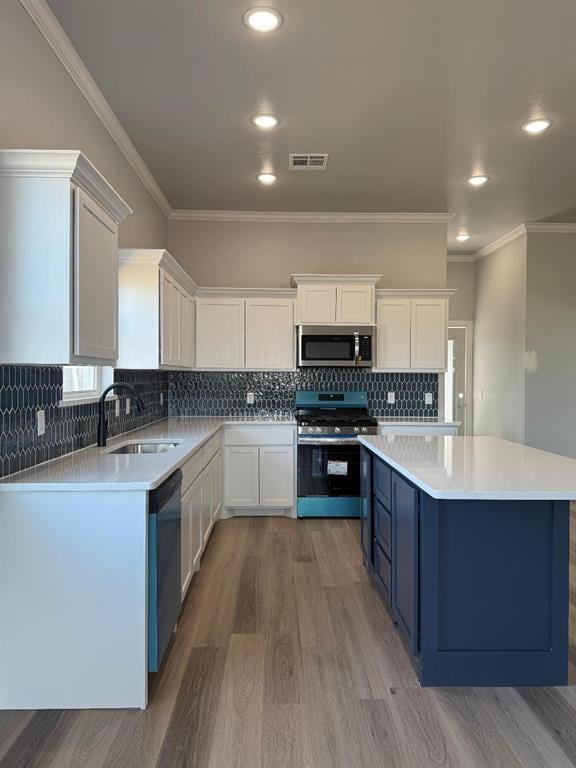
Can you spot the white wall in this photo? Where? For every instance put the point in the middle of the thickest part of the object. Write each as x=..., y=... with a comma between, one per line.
x=460, y=275
x=42, y=108
x=248, y=254
x=551, y=337
x=499, y=339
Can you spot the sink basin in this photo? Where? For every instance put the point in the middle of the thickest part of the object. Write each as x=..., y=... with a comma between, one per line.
x=145, y=448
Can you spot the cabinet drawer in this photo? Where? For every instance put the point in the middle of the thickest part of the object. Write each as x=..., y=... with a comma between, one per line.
x=383, y=527
x=383, y=570
x=259, y=436
x=382, y=478
x=192, y=469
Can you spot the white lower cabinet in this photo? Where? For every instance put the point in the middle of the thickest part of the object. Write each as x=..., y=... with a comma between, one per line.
x=259, y=467
x=241, y=485
x=201, y=503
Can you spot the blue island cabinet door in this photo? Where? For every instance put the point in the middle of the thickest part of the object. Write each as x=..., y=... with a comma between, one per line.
x=405, y=559
x=366, y=507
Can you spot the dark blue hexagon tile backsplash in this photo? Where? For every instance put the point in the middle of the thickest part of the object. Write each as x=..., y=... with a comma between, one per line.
x=221, y=394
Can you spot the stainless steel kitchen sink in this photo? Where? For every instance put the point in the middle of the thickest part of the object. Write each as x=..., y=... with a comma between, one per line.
x=145, y=448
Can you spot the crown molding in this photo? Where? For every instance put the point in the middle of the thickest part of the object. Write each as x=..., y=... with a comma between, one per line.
x=41, y=14
x=332, y=279
x=159, y=257
x=242, y=293
x=461, y=258
x=303, y=217
x=417, y=293
x=500, y=242
x=551, y=227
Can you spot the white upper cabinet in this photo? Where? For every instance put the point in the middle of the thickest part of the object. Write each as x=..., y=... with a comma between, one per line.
x=156, y=311
x=58, y=250
x=270, y=338
x=355, y=304
x=335, y=299
x=429, y=336
x=411, y=333
x=393, y=318
x=220, y=333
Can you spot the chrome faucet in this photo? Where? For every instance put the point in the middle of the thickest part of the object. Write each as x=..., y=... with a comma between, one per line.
x=102, y=421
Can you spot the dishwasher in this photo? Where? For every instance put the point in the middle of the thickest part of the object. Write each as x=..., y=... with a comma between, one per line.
x=164, y=592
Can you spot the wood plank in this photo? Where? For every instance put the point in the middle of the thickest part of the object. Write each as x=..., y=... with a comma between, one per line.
x=238, y=723
x=316, y=630
x=556, y=713
x=12, y=723
x=247, y=618
x=190, y=734
x=282, y=736
x=42, y=737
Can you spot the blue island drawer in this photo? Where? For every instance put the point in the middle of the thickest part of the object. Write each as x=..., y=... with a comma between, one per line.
x=382, y=482
x=383, y=571
x=383, y=526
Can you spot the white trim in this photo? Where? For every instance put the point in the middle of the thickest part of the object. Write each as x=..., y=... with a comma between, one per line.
x=461, y=258
x=552, y=227
x=331, y=279
x=304, y=217
x=418, y=293
x=241, y=293
x=41, y=14
x=161, y=258
x=500, y=242
x=529, y=227
x=87, y=400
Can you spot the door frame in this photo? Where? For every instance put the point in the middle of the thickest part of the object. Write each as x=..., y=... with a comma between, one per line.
x=469, y=326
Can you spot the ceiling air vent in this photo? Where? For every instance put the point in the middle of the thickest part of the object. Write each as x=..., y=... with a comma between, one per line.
x=308, y=162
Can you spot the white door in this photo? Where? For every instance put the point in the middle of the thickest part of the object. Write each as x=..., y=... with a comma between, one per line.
x=165, y=319
x=458, y=377
x=186, y=541
x=241, y=476
x=220, y=333
x=188, y=331
x=216, y=485
x=207, y=492
x=316, y=304
x=393, y=317
x=196, y=522
x=270, y=335
x=95, y=281
x=429, y=334
x=355, y=304
x=277, y=476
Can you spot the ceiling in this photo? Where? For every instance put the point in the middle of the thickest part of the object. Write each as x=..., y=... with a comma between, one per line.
x=409, y=97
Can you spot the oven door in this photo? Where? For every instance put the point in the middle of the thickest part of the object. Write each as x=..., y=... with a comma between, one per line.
x=328, y=478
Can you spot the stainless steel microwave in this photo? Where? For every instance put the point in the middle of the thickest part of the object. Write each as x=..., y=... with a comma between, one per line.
x=323, y=345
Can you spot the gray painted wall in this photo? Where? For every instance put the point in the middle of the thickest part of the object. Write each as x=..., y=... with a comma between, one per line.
x=258, y=255
x=460, y=275
x=551, y=338
x=499, y=339
x=42, y=108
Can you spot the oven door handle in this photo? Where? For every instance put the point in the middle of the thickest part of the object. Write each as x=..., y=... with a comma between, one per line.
x=327, y=441
x=356, y=348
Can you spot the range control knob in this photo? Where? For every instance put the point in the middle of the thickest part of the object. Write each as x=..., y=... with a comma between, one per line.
x=356, y=430
x=337, y=430
x=364, y=430
x=318, y=429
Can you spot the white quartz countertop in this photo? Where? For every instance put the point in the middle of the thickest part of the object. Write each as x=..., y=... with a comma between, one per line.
x=477, y=467
x=395, y=422
x=96, y=468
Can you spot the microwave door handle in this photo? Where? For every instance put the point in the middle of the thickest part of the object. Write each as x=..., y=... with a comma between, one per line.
x=356, y=348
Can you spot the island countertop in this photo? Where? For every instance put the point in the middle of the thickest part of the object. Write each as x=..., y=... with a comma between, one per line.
x=477, y=467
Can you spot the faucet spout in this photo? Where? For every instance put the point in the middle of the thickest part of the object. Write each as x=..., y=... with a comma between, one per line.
x=102, y=421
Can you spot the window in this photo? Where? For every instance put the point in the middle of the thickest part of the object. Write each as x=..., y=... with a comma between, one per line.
x=83, y=383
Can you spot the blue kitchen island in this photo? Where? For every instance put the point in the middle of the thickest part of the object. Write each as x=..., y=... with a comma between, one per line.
x=468, y=541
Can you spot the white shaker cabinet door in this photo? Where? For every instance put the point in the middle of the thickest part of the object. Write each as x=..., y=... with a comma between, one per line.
x=186, y=542
x=188, y=332
x=270, y=337
x=196, y=522
x=207, y=494
x=316, y=304
x=241, y=476
x=166, y=327
x=220, y=333
x=429, y=334
x=95, y=280
x=277, y=476
x=393, y=317
x=355, y=304
x=216, y=485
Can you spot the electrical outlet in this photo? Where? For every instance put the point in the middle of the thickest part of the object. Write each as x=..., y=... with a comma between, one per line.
x=128, y=406
x=117, y=408
x=41, y=422
x=428, y=398
x=391, y=398
x=250, y=398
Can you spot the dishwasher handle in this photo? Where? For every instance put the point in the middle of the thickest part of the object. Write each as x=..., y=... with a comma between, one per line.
x=159, y=496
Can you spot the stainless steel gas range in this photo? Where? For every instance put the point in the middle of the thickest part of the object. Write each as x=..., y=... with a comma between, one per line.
x=329, y=453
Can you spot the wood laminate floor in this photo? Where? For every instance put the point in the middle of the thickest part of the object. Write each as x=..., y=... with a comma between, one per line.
x=285, y=658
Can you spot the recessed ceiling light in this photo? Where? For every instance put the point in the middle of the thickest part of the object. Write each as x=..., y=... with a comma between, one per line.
x=262, y=19
x=462, y=237
x=265, y=121
x=537, y=126
x=477, y=181
x=267, y=178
